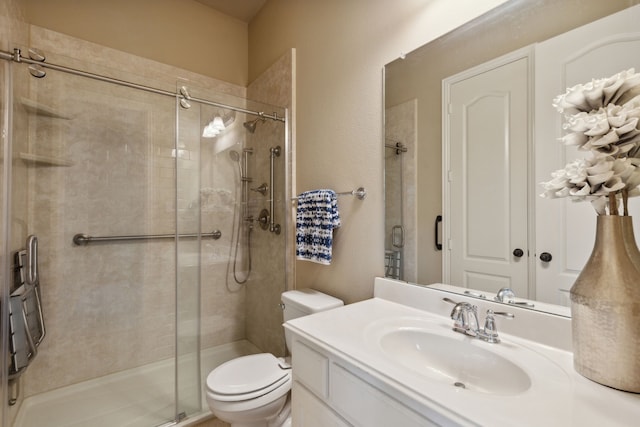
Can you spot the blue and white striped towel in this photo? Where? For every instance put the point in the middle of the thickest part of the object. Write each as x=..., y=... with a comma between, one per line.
x=316, y=217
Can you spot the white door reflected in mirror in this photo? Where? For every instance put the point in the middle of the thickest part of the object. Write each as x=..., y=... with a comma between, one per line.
x=486, y=139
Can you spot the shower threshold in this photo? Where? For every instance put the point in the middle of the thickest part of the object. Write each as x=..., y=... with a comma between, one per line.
x=139, y=397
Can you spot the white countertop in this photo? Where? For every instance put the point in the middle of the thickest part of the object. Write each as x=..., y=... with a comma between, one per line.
x=563, y=398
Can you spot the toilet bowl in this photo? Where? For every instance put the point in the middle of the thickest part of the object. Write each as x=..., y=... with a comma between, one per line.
x=250, y=390
x=253, y=391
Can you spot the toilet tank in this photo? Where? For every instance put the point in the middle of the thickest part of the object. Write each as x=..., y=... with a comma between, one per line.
x=302, y=302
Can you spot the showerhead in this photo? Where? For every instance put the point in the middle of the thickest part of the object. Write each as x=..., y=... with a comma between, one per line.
x=234, y=155
x=251, y=125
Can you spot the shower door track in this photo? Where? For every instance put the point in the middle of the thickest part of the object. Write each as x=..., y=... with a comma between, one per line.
x=16, y=56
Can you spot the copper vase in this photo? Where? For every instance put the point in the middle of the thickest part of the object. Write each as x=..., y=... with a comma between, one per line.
x=605, y=308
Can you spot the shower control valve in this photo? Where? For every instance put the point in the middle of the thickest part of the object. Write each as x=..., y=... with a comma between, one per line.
x=262, y=189
x=264, y=219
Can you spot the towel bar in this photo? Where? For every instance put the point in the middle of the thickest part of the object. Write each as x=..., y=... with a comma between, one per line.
x=359, y=192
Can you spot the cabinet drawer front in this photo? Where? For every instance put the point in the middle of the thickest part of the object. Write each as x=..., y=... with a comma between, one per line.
x=311, y=368
x=364, y=405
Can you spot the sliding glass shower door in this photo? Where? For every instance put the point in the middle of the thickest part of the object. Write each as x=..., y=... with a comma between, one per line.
x=93, y=176
x=212, y=187
x=232, y=187
x=5, y=85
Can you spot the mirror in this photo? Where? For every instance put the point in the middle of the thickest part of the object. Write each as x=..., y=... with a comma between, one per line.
x=413, y=121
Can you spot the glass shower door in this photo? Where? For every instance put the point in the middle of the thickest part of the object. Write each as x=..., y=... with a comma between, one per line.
x=228, y=307
x=209, y=305
x=394, y=227
x=187, y=154
x=5, y=86
x=93, y=159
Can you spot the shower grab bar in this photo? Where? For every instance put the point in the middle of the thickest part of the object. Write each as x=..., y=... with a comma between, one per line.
x=359, y=192
x=84, y=239
x=32, y=260
x=273, y=227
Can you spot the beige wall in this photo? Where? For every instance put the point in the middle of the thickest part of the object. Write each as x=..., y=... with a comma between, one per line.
x=11, y=16
x=182, y=33
x=342, y=47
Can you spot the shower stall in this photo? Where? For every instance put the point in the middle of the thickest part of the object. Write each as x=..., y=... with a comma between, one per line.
x=400, y=177
x=146, y=195
x=394, y=227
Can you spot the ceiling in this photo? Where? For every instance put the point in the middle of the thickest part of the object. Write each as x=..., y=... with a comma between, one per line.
x=243, y=10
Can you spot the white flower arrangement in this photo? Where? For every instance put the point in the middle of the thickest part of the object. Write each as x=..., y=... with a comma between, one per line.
x=602, y=117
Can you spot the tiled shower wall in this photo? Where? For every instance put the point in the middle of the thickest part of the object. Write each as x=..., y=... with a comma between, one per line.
x=264, y=315
x=401, y=126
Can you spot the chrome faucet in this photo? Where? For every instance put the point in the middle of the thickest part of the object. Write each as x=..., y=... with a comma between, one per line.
x=465, y=321
x=507, y=296
x=465, y=318
x=504, y=295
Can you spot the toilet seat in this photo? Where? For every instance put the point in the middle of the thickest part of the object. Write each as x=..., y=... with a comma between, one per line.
x=247, y=377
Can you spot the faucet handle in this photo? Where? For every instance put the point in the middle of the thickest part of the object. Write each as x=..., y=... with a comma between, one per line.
x=456, y=313
x=262, y=189
x=502, y=313
x=490, y=331
x=504, y=295
x=465, y=318
x=457, y=316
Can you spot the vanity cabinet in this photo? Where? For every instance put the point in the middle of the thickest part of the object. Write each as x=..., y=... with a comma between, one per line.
x=329, y=391
x=393, y=360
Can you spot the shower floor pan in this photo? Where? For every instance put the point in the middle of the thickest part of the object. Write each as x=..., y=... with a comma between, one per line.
x=140, y=397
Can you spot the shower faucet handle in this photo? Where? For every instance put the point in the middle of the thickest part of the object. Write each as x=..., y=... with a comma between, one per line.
x=262, y=189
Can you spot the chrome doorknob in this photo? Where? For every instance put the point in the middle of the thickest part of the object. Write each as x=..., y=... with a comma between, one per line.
x=545, y=257
x=518, y=253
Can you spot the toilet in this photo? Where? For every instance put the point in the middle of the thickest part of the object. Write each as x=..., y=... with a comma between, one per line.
x=253, y=391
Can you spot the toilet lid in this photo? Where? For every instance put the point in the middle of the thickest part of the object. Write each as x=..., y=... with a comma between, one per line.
x=255, y=374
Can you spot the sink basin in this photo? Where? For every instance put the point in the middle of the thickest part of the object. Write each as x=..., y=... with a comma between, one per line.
x=455, y=360
x=426, y=348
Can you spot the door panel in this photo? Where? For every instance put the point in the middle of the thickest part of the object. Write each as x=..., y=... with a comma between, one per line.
x=563, y=228
x=488, y=143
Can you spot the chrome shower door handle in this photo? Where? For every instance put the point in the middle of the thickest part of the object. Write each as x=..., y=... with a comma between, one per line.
x=32, y=260
x=438, y=244
x=397, y=236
